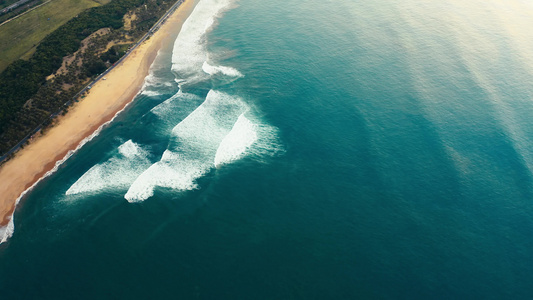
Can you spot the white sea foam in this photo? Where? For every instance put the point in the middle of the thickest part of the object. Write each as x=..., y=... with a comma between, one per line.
x=228, y=71
x=130, y=150
x=192, y=149
x=238, y=140
x=117, y=172
x=165, y=107
x=150, y=93
x=7, y=231
x=178, y=173
x=178, y=102
x=251, y=138
x=152, y=82
x=189, y=51
x=267, y=144
x=216, y=133
x=149, y=81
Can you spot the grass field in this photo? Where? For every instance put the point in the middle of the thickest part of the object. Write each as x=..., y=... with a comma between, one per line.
x=19, y=37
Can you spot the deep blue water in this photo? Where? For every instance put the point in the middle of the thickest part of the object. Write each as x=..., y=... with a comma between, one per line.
x=324, y=150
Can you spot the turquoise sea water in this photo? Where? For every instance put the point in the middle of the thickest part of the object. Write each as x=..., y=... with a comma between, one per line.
x=303, y=150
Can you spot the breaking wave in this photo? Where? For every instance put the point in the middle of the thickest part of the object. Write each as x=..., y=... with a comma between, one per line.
x=117, y=172
x=176, y=104
x=155, y=83
x=228, y=71
x=240, y=138
x=216, y=133
x=7, y=231
x=150, y=85
x=150, y=93
x=193, y=146
x=190, y=52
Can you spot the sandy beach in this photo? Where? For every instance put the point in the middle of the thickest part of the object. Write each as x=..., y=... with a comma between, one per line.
x=105, y=100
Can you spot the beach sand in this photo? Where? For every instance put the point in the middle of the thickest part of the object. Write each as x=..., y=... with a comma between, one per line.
x=105, y=100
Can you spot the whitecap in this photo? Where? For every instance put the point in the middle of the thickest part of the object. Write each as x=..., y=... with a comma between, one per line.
x=239, y=139
x=178, y=102
x=192, y=148
x=228, y=71
x=7, y=231
x=150, y=93
x=214, y=134
x=189, y=51
x=117, y=172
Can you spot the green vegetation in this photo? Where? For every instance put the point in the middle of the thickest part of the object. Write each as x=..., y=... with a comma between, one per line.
x=115, y=53
x=28, y=98
x=18, y=38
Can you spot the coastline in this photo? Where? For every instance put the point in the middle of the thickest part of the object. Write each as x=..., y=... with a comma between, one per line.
x=85, y=118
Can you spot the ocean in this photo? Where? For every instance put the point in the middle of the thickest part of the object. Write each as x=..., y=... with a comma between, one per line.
x=303, y=150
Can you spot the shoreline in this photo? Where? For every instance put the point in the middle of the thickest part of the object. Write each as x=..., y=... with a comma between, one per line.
x=85, y=119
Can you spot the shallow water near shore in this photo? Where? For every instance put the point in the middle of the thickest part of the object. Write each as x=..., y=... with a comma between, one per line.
x=307, y=150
